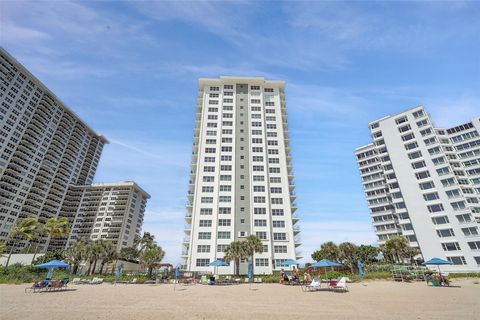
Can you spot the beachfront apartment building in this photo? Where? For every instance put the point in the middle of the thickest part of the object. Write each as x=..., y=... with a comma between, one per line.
x=108, y=211
x=46, y=150
x=423, y=183
x=241, y=180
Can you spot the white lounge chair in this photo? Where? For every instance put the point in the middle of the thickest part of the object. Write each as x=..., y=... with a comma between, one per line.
x=76, y=281
x=314, y=285
x=341, y=285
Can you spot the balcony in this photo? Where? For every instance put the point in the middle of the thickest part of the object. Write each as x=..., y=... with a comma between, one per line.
x=294, y=207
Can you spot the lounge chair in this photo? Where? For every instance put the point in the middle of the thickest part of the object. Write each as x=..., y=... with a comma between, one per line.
x=314, y=285
x=257, y=280
x=37, y=286
x=341, y=285
x=77, y=281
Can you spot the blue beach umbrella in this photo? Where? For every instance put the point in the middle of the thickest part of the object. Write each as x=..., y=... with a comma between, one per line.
x=177, y=272
x=51, y=265
x=119, y=270
x=326, y=263
x=217, y=263
x=289, y=262
x=436, y=262
x=250, y=270
x=360, y=268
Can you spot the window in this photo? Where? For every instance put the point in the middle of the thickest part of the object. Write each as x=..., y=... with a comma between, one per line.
x=208, y=179
x=408, y=136
x=422, y=123
x=225, y=199
x=439, y=160
x=225, y=178
x=410, y=146
x=443, y=171
x=260, y=223
x=202, y=248
x=207, y=200
x=426, y=185
x=261, y=262
x=474, y=245
x=276, y=190
x=277, y=201
x=435, y=208
x=418, y=114
x=260, y=210
x=277, y=212
x=414, y=155
x=258, y=189
x=464, y=218
x=457, y=260
x=278, y=224
x=206, y=211
x=453, y=193
x=207, y=189
x=470, y=231
x=223, y=234
x=422, y=175
x=280, y=249
x=440, y=220
x=205, y=223
x=261, y=234
x=404, y=128
x=401, y=120
x=223, y=210
x=431, y=196
x=445, y=233
x=448, y=182
x=224, y=222
x=419, y=164
x=458, y=205
x=259, y=199
x=221, y=247
x=279, y=236
x=204, y=235
x=225, y=188
x=450, y=246
x=202, y=262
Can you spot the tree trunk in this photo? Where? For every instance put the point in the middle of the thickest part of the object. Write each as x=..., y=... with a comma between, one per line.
x=89, y=267
x=101, y=267
x=94, y=266
x=35, y=253
x=75, y=269
x=10, y=254
x=150, y=269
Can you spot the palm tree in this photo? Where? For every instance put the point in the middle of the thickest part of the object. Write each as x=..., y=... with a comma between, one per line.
x=146, y=240
x=94, y=250
x=57, y=227
x=398, y=247
x=235, y=252
x=151, y=257
x=3, y=246
x=77, y=253
x=252, y=245
x=348, y=254
x=108, y=254
x=328, y=250
x=23, y=228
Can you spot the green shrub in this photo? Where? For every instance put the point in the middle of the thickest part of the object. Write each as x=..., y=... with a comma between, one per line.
x=464, y=275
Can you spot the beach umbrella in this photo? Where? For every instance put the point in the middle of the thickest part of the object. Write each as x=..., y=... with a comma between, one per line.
x=217, y=263
x=119, y=270
x=250, y=270
x=51, y=265
x=360, y=268
x=436, y=262
x=325, y=263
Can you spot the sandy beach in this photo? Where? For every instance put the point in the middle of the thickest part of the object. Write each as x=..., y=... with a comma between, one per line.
x=368, y=300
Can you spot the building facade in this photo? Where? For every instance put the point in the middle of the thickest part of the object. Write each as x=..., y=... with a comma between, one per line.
x=241, y=180
x=423, y=183
x=109, y=211
x=47, y=153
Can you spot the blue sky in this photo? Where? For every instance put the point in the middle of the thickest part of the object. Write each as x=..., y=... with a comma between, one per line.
x=130, y=70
